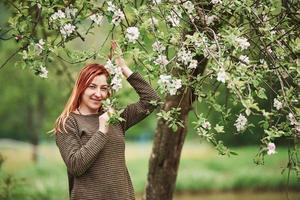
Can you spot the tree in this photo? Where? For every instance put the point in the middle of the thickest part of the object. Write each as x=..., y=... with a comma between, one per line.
x=243, y=51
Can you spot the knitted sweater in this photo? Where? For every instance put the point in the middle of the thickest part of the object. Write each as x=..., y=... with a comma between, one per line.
x=96, y=161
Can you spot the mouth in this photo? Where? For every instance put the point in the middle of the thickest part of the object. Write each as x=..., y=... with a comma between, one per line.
x=96, y=100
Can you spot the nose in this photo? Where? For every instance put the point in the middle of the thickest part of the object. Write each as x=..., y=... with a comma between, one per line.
x=99, y=93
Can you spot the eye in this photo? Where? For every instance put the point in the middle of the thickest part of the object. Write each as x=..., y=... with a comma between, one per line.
x=92, y=86
x=104, y=89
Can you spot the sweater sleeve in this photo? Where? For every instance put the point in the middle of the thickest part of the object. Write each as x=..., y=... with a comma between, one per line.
x=78, y=158
x=136, y=112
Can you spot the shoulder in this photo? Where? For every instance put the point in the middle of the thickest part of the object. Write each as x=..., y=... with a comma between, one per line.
x=68, y=124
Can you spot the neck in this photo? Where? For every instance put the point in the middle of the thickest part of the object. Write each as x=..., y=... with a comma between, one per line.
x=86, y=111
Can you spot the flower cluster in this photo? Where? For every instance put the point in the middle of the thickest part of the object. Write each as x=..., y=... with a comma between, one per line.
x=66, y=29
x=174, y=16
x=161, y=60
x=241, y=123
x=294, y=122
x=210, y=19
x=216, y=1
x=97, y=18
x=245, y=60
x=132, y=34
x=43, y=72
x=242, y=42
x=222, y=76
x=206, y=125
x=277, y=104
x=193, y=64
x=168, y=84
x=271, y=148
x=158, y=47
x=118, y=15
x=34, y=49
x=185, y=56
x=39, y=47
x=116, y=73
x=57, y=15
x=189, y=6
x=156, y=1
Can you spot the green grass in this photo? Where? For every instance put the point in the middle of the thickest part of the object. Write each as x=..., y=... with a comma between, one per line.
x=201, y=169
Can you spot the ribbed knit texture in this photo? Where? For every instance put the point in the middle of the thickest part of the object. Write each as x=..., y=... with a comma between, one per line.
x=96, y=161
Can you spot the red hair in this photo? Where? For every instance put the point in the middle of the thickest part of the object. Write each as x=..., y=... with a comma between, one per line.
x=86, y=76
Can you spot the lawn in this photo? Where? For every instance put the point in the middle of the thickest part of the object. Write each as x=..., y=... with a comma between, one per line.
x=201, y=170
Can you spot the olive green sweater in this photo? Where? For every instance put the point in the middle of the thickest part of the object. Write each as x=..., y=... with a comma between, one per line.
x=96, y=161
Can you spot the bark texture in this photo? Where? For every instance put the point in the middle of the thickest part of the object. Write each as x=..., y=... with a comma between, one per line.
x=165, y=157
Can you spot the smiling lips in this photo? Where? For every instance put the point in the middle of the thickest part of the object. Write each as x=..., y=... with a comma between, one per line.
x=97, y=101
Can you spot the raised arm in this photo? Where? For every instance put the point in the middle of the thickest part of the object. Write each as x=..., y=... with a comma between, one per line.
x=77, y=157
x=135, y=112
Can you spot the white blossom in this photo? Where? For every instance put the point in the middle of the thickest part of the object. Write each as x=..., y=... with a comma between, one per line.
x=116, y=82
x=193, y=64
x=292, y=119
x=111, y=7
x=269, y=49
x=206, y=125
x=174, y=86
x=185, y=56
x=189, y=6
x=245, y=59
x=43, y=72
x=216, y=1
x=242, y=42
x=174, y=17
x=210, y=19
x=221, y=75
x=25, y=54
x=161, y=60
x=156, y=1
x=116, y=73
x=117, y=17
x=67, y=29
x=271, y=148
x=241, y=123
x=70, y=12
x=297, y=127
x=277, y=104
x=57, y=15
x=168, y=84
x=132, y=34
x=97, y=18
x=158, y=47
x=39, y=47
x=164, y=79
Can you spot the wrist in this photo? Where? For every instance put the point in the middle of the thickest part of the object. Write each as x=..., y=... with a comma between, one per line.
x=126, y=71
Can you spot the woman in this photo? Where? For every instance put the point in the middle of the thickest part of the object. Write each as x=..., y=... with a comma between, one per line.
x=92, y=150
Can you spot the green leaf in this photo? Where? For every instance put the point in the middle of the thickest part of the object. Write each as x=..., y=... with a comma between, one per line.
x=219, y=129
x=261, y=93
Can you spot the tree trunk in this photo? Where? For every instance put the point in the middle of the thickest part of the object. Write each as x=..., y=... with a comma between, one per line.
x=35, y=120
x=165, y=156
x=40, y=111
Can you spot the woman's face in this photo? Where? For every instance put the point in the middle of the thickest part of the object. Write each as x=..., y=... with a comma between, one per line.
x=96, y=91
